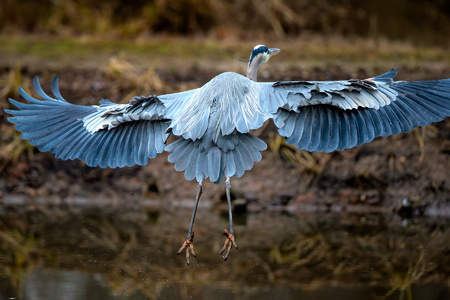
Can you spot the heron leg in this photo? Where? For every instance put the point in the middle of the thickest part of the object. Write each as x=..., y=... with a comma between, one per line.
x=230, y=236
x=189, y=242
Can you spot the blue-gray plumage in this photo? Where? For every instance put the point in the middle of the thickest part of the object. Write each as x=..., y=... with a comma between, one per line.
x=213, y=122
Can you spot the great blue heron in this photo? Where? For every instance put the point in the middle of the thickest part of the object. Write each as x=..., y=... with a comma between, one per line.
x=213, y=123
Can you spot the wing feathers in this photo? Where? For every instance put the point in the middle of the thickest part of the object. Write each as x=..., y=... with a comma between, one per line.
x=57, y=126
x=346, y=95
x=416, y=104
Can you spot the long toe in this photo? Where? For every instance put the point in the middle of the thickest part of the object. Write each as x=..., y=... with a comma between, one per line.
x=188, y=245
x=229, y=242
x=191, y=248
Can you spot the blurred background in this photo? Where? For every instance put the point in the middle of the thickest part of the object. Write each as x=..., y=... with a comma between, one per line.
x=423, y=22
x=370, y=222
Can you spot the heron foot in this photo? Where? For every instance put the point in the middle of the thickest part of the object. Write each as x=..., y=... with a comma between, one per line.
x=189, y=246
x=229, y=242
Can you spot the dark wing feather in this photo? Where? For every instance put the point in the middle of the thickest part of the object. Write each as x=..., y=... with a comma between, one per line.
x=109, y=135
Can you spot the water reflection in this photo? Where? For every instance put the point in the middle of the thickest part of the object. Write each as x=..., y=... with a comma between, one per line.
x=93, y=253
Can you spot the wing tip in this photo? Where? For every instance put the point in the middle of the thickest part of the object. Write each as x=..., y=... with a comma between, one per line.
x=387, y=77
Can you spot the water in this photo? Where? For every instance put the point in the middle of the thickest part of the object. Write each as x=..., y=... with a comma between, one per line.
x=110, y=253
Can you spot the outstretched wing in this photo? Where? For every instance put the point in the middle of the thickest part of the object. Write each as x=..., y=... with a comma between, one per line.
x=108, y=135
x=336, y=115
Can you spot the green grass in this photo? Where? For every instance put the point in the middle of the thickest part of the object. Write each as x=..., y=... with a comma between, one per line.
x=315, y=50
x=48, y=47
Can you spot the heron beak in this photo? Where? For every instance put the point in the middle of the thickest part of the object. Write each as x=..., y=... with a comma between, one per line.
x=273, y=51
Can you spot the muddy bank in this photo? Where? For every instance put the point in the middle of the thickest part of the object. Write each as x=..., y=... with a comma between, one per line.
x=407, y=169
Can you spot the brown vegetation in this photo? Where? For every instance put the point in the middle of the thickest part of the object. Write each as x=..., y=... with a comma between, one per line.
x=419, y=21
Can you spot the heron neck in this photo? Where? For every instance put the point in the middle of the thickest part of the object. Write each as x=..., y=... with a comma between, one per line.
x=252, y=69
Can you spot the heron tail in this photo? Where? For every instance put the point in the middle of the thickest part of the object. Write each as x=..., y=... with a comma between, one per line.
x=229, y=155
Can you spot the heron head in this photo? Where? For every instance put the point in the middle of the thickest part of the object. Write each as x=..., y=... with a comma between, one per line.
x=260, y=54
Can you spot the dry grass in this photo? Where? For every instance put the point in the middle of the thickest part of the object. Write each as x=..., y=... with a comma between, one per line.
x=237, y=18
x=310, y=165
x=10, y=83
x=128, y=75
